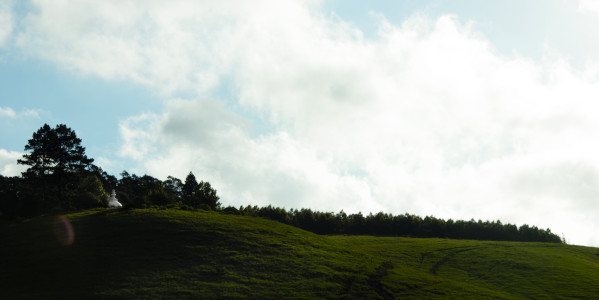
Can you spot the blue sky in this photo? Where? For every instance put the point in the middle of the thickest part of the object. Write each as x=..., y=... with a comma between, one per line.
x=92, y=107
x=460, y=109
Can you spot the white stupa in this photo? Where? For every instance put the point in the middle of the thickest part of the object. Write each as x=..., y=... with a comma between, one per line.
x=113, y=201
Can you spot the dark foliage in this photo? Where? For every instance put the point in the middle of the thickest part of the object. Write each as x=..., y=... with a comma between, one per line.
x=188, y=189
x=10, y=188
x=133, y=191
x=54, y=150
x=206, y=195
x=109, y=182
x=198, y=195
x=32, y=196
x=60, y=176
x=174, y=187
x=136, y=192
x=382, y=224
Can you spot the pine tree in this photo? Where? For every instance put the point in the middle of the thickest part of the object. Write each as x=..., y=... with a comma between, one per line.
x=56, y=163
x=189, y=188
x=54, y=151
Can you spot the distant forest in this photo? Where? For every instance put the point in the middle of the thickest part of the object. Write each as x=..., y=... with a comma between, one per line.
x=61, y=178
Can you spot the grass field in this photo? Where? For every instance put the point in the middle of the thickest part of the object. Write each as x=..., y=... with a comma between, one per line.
x=170, y=253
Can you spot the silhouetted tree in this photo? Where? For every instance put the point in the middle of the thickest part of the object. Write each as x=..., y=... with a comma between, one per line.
x=159, y=196
x=86, y=192
x=206, y=195
x=382, y=224
x=174, y=187
x=189, y=188
x=135, y=192
x=57, y=165
x=54, y=150
x=109, y=182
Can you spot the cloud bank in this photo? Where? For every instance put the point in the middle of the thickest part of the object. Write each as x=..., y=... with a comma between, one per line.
x=277, y=103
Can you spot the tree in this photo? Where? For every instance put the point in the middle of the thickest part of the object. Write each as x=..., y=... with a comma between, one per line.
x=87, y=192
x=199, y=195
x=189, y=188
x=109, y=182
x=134, y=191
x=54, y=150
x=56, y=163
x=159, y=196
x=174, y=187
x=207, y=195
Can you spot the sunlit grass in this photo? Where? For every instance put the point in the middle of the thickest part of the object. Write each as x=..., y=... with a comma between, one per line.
x=140, y=253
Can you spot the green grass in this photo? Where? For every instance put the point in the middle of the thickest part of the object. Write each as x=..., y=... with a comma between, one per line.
x=179, y=254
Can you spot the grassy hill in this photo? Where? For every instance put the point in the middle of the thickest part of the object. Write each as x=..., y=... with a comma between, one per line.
x=157, y=253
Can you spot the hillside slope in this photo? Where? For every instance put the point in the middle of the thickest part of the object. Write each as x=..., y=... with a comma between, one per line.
x=141, y=253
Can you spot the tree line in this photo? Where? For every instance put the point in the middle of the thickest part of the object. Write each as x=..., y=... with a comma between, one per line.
x=384, y=224
x=60, y=177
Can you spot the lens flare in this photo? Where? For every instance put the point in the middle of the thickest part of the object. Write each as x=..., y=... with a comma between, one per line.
x=63, y=230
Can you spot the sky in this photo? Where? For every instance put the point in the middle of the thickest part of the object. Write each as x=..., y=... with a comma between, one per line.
x=456, y=109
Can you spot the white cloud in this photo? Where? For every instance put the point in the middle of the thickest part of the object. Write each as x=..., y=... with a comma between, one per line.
x=165, y=45
x=216, y=144
x=588, y=6
x=7, y=112
x=426, y=118
x=8, y=163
